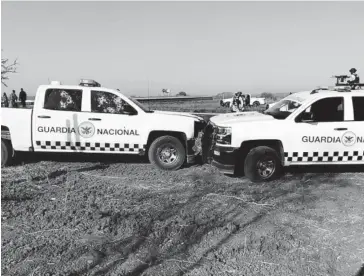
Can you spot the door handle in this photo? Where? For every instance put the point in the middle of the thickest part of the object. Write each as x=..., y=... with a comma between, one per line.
x=94, y=119
x=44, y=117
x=340, y=128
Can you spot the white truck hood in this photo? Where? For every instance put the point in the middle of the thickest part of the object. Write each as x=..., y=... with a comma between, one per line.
x=183, y=114
x=232, y=118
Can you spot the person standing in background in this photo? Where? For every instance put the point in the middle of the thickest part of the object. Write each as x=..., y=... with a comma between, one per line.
x=13, y=99
x=242, y=102
x=22, y=97
x=247, y=100
x=4, y=100
x=237, y=101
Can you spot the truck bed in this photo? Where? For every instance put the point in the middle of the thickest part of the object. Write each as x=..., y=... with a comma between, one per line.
x=19, y=121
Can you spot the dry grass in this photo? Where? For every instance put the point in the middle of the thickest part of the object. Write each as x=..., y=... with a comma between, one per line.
x=130, y=219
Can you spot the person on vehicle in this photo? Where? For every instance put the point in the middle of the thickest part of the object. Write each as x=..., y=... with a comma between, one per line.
x=353, y=78
x=22, y=97
x=13, y=99
x=4, y=100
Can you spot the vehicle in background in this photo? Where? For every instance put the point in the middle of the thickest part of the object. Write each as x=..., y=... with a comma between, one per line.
x=254, y=101
x=88, y=118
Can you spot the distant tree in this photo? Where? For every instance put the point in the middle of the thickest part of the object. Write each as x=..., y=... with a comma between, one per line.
x=6, y=69
x=182, y=93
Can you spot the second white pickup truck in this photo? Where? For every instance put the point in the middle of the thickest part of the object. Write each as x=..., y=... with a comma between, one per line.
x=318, y=127
x=87, y=118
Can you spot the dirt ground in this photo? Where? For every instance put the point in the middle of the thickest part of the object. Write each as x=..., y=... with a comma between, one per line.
x=126, y=217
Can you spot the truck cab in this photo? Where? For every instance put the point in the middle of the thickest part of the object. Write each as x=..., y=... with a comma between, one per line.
x=318, y=127
x=88, y=118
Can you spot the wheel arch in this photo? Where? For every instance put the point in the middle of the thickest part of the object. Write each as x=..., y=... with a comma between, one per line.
x=246, y=146
x=5, y=133
x=158, y=133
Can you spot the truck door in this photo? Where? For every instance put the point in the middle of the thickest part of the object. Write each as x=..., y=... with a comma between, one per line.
x=55, y=121
x=112, y=125
x=322, y=134
x=357, y=127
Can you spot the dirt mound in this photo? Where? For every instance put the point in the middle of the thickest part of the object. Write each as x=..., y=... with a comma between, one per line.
x=133, y=219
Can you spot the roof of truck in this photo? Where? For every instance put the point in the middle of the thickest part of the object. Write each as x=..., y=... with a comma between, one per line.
x=316, y=93
x=78, y=87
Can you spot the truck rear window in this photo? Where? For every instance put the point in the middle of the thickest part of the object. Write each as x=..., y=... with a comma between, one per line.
x=63, y=99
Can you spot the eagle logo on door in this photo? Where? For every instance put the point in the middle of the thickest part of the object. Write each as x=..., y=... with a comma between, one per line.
x=348, y=139
x=86, y=130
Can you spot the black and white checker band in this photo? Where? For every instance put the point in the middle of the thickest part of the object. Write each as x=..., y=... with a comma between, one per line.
x=326, y=156
x=88, y=146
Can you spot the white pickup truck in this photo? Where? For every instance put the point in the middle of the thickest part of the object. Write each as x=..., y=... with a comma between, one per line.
x=320, y=127
x=254, y=101
x=87, y=118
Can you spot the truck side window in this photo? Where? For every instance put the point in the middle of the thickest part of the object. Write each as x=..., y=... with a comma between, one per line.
x=63, y=99
x=358, y=103
x=106, y=102
x=325, y=110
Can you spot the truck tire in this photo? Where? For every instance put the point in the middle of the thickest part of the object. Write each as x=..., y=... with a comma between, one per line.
x=262, y=164
x=7, y=153
x=167, y=153
x=256, y=104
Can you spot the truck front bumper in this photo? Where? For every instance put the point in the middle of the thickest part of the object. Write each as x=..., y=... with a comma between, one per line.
x=224, y=158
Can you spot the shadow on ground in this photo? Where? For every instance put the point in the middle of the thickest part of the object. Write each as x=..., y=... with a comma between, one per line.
x=30, y=158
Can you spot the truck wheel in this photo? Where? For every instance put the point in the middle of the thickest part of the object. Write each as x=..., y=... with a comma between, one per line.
x=262, y=164
x=167, y=153
x=7, y=153
x=256, y=104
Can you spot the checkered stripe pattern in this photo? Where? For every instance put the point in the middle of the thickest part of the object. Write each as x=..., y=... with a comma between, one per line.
x=83, y=146
x=326, y=156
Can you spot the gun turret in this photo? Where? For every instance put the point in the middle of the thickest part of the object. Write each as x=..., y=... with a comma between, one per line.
x=340, y=79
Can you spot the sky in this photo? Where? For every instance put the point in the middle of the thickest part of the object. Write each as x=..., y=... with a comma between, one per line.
x=202, y=48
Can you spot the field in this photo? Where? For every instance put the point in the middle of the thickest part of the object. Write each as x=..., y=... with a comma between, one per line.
x=122, y=216
x=209, y=106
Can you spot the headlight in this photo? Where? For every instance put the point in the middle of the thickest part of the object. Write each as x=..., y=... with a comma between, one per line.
x=223, y=135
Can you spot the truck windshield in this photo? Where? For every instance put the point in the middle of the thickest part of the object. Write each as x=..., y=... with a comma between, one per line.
x=140, y=105
x=283, y=109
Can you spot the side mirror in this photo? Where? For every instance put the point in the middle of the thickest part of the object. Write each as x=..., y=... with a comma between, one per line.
x=304, y=117
x=129, y=110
